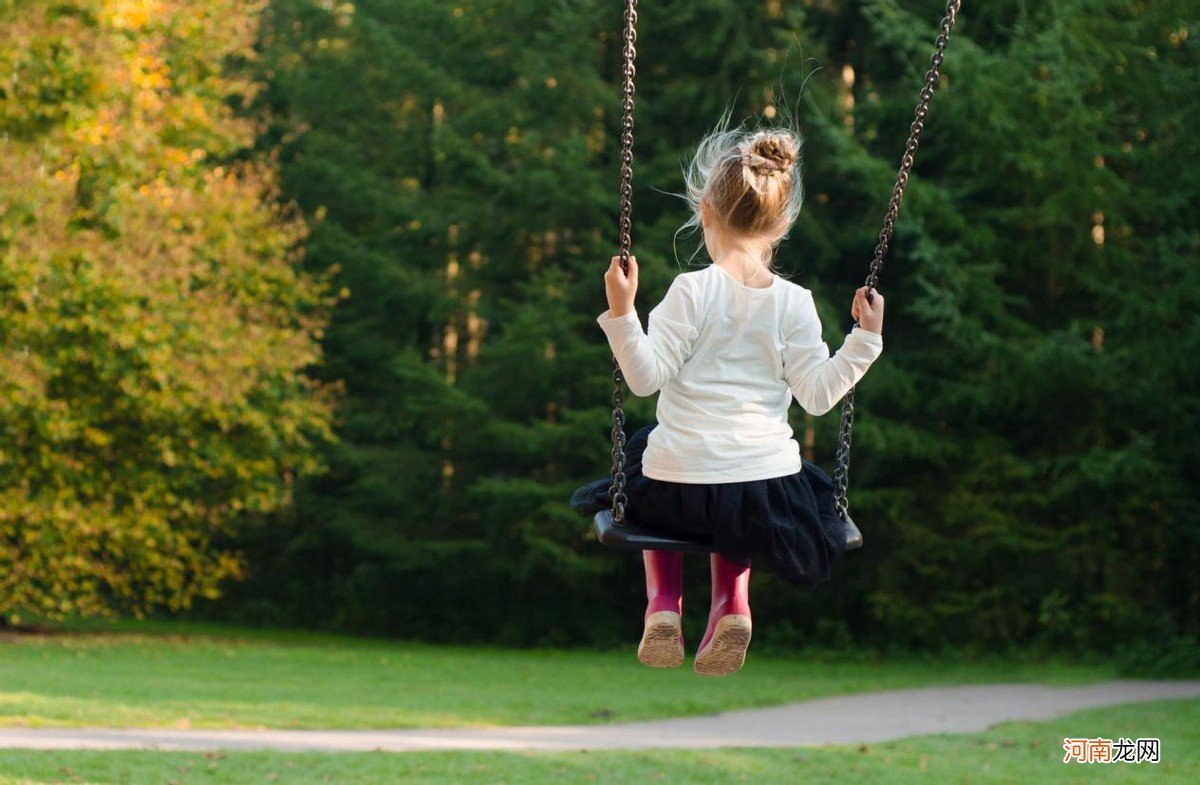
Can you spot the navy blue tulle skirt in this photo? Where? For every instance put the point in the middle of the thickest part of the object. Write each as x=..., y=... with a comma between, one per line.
x=788, y=526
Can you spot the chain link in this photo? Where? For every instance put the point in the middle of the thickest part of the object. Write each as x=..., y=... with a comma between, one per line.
x=842, y=471
x=616, y=492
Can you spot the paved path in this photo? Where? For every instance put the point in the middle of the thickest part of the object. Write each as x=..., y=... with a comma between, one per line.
x=851, y=719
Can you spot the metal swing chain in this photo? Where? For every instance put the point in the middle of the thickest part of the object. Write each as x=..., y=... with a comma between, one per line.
x=841, y=473
x=617, y=491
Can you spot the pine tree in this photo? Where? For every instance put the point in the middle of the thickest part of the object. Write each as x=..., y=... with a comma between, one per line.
x=1018, y=466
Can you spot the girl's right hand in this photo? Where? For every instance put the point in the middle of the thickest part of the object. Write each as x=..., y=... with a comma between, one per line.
x=621, y=286
x=868, y=314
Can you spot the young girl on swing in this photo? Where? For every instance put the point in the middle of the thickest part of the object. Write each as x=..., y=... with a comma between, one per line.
x=729, y=347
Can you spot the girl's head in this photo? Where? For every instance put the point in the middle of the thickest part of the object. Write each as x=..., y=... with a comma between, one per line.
x=744, y=188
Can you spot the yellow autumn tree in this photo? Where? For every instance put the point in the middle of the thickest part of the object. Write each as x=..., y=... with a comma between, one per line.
x=155, y=321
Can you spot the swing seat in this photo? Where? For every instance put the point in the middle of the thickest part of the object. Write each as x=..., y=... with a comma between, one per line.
x=635, y=538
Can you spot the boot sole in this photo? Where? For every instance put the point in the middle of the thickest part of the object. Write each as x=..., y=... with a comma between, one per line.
x=726, y=651
x=660, y=646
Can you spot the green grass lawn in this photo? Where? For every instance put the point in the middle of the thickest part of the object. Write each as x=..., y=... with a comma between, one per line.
x=1013, y=752
x=166, y=674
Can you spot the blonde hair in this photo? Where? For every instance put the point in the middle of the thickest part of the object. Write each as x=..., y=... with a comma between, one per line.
x=750, y=177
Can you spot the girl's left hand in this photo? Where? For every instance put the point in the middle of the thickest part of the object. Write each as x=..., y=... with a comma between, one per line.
x=869, y=315
x=621, y=286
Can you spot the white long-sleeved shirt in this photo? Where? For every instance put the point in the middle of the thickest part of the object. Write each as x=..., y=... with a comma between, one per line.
x=728, y=359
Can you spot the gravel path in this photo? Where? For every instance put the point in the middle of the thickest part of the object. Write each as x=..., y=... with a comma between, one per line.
x=850, y=719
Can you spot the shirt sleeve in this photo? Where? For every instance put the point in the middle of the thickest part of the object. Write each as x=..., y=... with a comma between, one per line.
x=649, y=361
x=818, y=381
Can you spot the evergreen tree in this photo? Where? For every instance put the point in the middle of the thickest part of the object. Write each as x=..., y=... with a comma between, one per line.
x=457, y=187
x=1018, y=467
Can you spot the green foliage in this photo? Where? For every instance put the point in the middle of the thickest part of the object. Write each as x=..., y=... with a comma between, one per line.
x=1024, y=462
x=1047, y=255
x=458, y=186
x=154, y=323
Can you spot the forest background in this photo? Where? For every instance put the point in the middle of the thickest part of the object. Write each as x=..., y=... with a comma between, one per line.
x=297, y=308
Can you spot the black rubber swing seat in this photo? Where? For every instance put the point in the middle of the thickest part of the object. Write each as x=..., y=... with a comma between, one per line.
x=608, y=532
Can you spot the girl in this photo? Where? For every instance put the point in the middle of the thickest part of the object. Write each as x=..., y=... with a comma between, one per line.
x=729, y=346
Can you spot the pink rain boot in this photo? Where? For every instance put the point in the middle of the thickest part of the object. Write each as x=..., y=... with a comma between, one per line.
x=662, y=638
x=723, y=649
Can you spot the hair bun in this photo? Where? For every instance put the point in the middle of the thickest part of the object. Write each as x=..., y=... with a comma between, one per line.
x=769, y=152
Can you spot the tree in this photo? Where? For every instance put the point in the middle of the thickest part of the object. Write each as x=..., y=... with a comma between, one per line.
x=1021, y=465
x=1017, y=467
x=155, y=325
